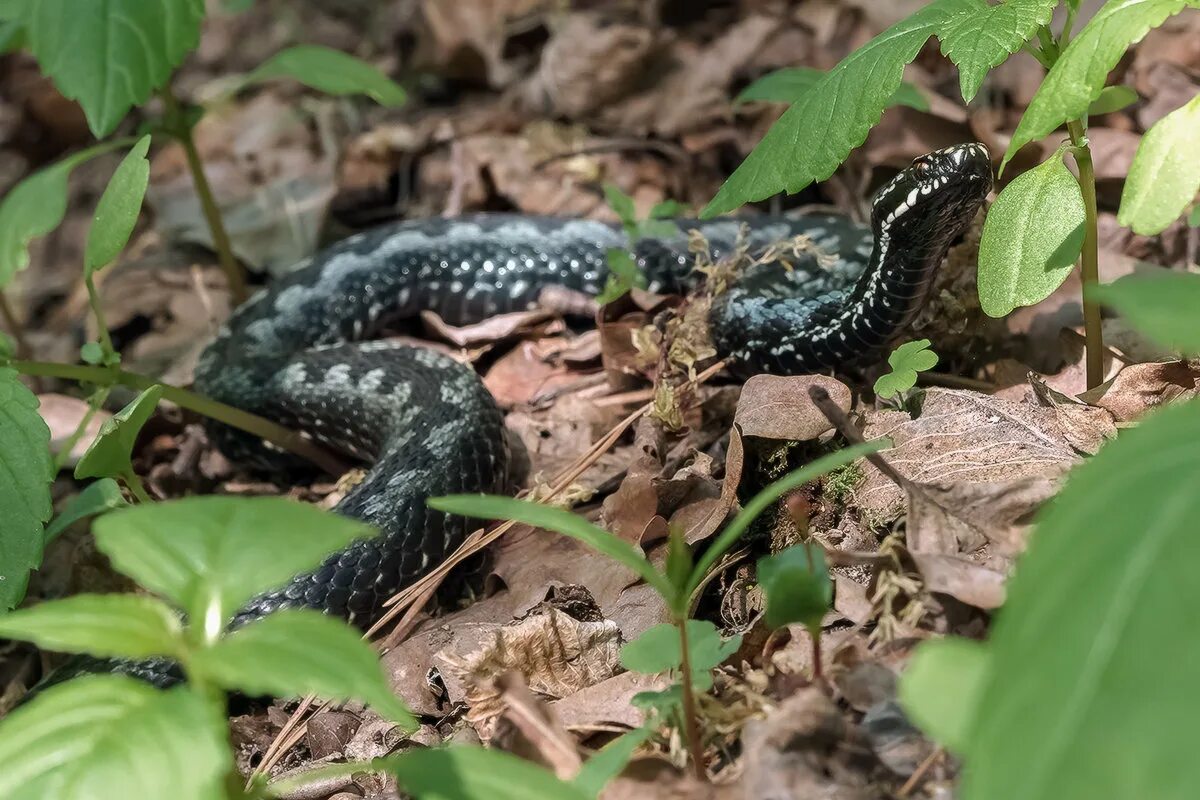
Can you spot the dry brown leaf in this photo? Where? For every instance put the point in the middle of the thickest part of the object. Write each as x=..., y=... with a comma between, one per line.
x=491, y=330
x=628, y=511
x=530, y=729
x=777, y=407
x=1138, y=388
x=978, y=466
x=607, y=704
x=557, y=654
x=467, y=34
x=527, y=372
x=965, y=580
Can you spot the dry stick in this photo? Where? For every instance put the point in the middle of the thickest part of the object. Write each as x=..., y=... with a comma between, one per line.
x=915, y=779
x=838, y=419
x=411, y=600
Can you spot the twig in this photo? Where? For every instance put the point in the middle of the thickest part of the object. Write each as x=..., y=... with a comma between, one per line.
x=838, y=419
x=915, y=779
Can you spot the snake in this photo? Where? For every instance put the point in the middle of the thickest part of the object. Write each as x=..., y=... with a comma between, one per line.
x=306, y=352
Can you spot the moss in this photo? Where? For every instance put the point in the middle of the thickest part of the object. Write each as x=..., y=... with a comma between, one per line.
x=840, y=484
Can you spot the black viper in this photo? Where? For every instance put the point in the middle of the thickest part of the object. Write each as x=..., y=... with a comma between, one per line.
x=428, y=426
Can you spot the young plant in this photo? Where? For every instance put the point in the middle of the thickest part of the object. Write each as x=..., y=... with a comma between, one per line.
x=623, y=272
x=905, y=361
x=110, y=736
x=1041, y=225
x=693, y=647
x=113, y=56
x=1064, y=676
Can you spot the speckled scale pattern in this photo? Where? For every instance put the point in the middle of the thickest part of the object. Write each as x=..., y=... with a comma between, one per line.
x=298, y=352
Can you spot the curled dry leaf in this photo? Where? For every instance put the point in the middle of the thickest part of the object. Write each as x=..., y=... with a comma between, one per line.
x=776, y=407
x=557, y=654
x=1141, y=387
x=608, y=703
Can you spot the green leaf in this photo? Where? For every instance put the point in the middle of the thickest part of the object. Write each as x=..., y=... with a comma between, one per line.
x=664, y=703
x=1162, y=305
x=979, y=36
x=110, y=54
x=1194, y=217
x=1079, y=75
x=295, y=652
x=91, y=353
x=817, y=132
x=8, y=347
x=109, y=737
x=788, y=85
x=98, y=497
x=761, y=501
x=1031, y=237
x=623, y=275
x=1165, y=175
x=940, y=688
x=607, y=764
x=110, y=455
x=12, y=36
x=668, y=209
x=1112, y=98
x=797, y=587
x=655, y=229
x=472, y=773
x=36, y=206
x=209, y=555
x=109, y=625
x=556, y=519
x=329, y=71
x=118, y=209
x=622, y=204
x=906, y=361
x=1075, y=703
x=657, y=649
x=26, y=470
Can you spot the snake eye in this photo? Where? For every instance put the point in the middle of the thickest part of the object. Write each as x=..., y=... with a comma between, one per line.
x=922, y=167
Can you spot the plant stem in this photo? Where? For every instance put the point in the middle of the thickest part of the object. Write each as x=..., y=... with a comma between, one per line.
x=277, y=434
x=1090, y=260
x=818, y=670
x=179, y=128
x=691, y=720
x=98, y=310
x=14, y=326
x=95, y=403
x=136, y=486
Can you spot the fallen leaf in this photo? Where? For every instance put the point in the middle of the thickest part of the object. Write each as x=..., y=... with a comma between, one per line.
x=777, y=407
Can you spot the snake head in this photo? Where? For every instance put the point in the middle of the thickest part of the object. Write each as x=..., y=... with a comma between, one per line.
x=939, y=193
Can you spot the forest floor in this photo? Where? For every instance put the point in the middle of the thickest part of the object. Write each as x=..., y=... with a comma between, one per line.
x=523, y=105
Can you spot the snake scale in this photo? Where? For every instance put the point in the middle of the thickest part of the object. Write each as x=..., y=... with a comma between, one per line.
x=300, y=352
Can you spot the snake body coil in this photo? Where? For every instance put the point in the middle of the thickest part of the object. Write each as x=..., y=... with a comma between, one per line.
x=426, y=423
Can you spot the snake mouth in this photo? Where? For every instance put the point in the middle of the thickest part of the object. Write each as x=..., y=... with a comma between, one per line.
x=936, y=187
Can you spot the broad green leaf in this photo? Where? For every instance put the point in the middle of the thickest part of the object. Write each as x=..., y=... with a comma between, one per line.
x=295, y=652
x=1091, y=687
x=109, y=737
x=12, y=36
x=623, y=275
x=209, y=555
x=667, y=209
x=91, y=353
x=663, y=703
x=981, y=36
x=472, y=773
x=789, y=84
x=109, y=55
x=940, y=688
x=1194, y=217
x=1162, y=305
x=108, y=625
x=26, y=470
x=607, y=764
x=118, y=209
x=816, y=133
x=1112, y=98
x=1079, y=75
x=329, y=71
x=109, y=456
x=761, y=501
x=555, y=519
x=1165, y=175
x=796, y=584
x=657, y=649
x=906, y=361
x=1031, y=237
x=36, y=206
x=96, y=498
